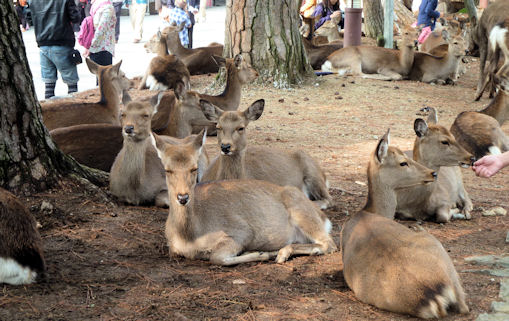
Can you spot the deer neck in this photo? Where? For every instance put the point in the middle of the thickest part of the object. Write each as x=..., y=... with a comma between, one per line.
x=232, y=166
x=333, y=35
x=176, y=47
x=181, y=219
x=133, y=165
x=420, y=157
x=406, y=57
x=162, y=48
x=498, y=108
x=382, y=200
x=232, y=90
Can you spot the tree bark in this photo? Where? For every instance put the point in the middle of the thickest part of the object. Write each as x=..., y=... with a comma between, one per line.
x=373, y=18
x=266, y=34
x=29, y=160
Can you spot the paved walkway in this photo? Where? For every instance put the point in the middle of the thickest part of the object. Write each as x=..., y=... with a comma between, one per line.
x=134, y=58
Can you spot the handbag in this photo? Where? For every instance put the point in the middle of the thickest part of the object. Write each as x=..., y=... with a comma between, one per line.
x=75, y=57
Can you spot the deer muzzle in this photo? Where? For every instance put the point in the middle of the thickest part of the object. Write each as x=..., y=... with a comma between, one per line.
x=226, y=149
x=183, y=199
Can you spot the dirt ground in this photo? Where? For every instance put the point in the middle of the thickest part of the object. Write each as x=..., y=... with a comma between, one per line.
x=108, y=261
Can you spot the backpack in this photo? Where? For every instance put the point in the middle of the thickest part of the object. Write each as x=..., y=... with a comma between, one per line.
x=87, y=30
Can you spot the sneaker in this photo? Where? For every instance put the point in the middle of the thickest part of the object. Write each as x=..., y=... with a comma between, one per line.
x=136, y=40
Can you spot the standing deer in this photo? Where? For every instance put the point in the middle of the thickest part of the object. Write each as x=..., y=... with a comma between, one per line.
x=385, y=263
x=236, y=221
x=66, y=112
x=21, y=257
x=374, y=62
x=237, y=161
x=436, y=148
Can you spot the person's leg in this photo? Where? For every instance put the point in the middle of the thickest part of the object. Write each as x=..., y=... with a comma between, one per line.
x=19, y=12
x=190, y=35
x=103, y=58
x=140, y=15
x=132, y=16
x=48, y=71
x=118, y=9
x=68, y=70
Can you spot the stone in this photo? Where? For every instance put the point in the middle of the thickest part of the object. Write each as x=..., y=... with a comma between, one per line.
x=500, y=307
x=495, y=211
x=46, y=206
x=507, y=237
x=493, y=317
x=504, y=290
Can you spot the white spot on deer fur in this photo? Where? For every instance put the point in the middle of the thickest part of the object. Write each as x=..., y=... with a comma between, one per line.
x=497, y=36
x=327, y=66
x=494, y=150
x=11, y=272
x=328, y=226
x=153, y=84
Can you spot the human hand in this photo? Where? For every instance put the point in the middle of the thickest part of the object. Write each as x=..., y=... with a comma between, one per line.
x=336, y=14
x=487, y=166
x=86, y=53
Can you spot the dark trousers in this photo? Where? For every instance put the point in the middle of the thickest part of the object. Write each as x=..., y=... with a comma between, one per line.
x=103, y=58
x=118, y=8
x=190, y=33
x=21, y=16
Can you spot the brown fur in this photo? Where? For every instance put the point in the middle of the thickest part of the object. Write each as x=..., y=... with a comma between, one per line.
x=66, y=112
x=221, y=221
x=294, y=168
x=330, y=30
x=318, y=54
x=385, y=263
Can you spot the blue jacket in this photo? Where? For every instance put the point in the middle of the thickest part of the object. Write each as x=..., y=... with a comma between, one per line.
x=427, y=13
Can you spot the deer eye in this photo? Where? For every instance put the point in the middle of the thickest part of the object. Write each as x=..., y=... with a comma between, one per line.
x=146, y=116
x=240, y=129
x=444, y=142
x=219, y=128
x=169, y=171
x=122, y=115
x=403, y=164
x=193, y=170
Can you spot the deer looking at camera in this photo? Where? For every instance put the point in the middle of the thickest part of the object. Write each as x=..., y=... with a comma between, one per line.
x=238, y=161
x=385, y=263
x=436, y=148
x=258, y=221
x=374, y=62
x=137, y=175
x=66, y=112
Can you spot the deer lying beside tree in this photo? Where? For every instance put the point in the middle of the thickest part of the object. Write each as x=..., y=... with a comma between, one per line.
x=21, y=257
x=480, y=132
x=385, y=263
x=68, y=112
x=237, y=161
x=164, y=70
x=436, y=148
x=317, y=54
x=137, y=175
x=374, y=62
x=236, y=221
x=197, y=60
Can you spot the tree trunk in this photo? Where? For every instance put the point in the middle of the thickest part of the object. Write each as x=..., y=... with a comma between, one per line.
x=266, y=34
x=373, y=18
x=29, y=160
x=404, y=15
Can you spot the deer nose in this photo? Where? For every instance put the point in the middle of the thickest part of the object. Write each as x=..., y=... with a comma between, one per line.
x=183, y=198
x=435, y=175
x=225, y=148
x=416, y=43
x=472, y=160
x=129, y=129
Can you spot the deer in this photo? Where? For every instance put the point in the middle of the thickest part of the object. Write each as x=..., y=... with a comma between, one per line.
x=197, y=60
x=164, y=70
x=21, y=255
x=480, y=132
x=317, y=54
x=442, y=69
x=112, y=83
x=436, y=148
x=238, y=161
x=330, y=30
x=374, y=62
x=388, y=265
x=236, y=221
x=137, y=174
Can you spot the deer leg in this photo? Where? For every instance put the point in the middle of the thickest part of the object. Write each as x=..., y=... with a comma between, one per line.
x=298, y=249
x=162, y=199
x=444, y=214
x=225, y=252
x=143, y=82
x=390, y=74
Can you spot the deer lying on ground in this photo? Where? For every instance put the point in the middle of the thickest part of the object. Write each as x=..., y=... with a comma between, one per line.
x=237, y=161
x=428, y=68
x=197, y=60
x=317, y=54
x=65, y=112
x=93, y=145
x=137, y=175
x=165, y=70
x=21, y=257
x=385, y=263
x=480, y=132
x=374, y=62
x=436, y=148
x=236, y=221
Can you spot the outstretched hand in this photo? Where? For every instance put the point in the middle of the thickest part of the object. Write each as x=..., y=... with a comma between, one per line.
x=488, y=166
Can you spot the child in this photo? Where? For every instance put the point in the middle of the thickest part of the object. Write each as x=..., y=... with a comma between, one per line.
x=179, y=15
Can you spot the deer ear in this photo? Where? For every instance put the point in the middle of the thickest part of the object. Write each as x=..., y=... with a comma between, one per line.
x=173, y=24
x=92, y=66
x=158, y=34
x=255, y=110
x=182, y=26
x=220, y=61
x=210, y=111
x=199, y=140
x=382, y=147
x=156, y=100
x=420, y=127
x=445, y=35
x=432, y=117
x=116, y=67
x=238, y=60
x=159, y=144
x=180, y=90
x=126, y=98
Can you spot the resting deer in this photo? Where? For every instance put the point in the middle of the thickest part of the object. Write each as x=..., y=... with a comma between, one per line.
x=385, y=263
x=436, y=148
x=65, y=112
x=236, y=221
x=165, y=70
x=21, y=257
x=480, y=132
x=197, y=60
x=237, y=161
x=330, y=30
x=137, y=175
x=428, y=68
x=317, y=54
x=374, y=62
x=93, y=145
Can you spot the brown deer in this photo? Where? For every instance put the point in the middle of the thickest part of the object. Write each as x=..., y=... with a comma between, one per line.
x=480, y=132
x=237, y=161
x=93, y=145
x=137, y=175
x=444, y=69
x=317, y=54
x=436, y=148
x=165, y=70
x=236, y=221
x=374, y=62
x=330, y=30
x=385, y=263
x=21, y=257
x=197, y=60
x=66, y=112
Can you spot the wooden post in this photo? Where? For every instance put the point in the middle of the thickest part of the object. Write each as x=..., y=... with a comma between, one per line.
x=389, y=23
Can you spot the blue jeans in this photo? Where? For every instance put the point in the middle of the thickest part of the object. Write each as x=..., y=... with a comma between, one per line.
x=55, y=58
